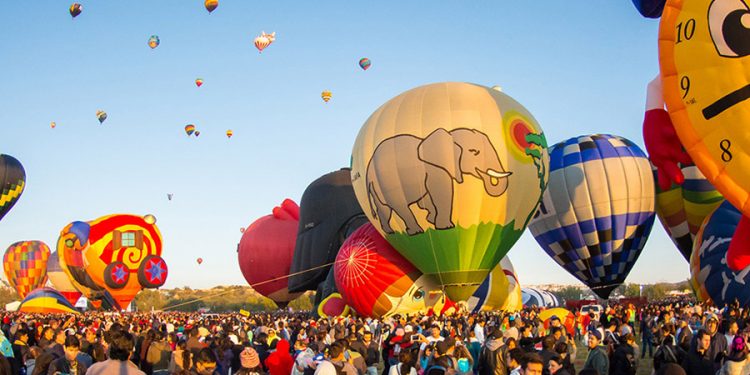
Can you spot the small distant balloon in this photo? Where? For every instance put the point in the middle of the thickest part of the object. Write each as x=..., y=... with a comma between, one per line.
x=264, y=40
x=199, y=260
x=197, y=133
x=211, y=5
x=199, y=82
x=326, y=95
x=75, y=9
x=230, y=133
x=497, y=88
x=242, y=229
x=190, y=129
x=150, y=219
x=52, y=125
x=169, y=196
x=101, y=115
x=153, y=41
x=365, y=63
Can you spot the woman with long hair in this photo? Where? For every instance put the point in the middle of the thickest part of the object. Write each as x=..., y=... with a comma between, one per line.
x=181, y=361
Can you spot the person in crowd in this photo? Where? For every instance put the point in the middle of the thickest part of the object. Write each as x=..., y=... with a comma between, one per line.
x=556, y=366
x=533, y=364
x=623, y=359
x=69, y=364
x=597, y=358
x=736, y=362
x=698, y=361
x=205, y=363
x=121, y=344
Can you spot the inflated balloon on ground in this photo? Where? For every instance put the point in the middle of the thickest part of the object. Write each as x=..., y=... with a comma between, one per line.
x=46, y=301
x=501, y=291
x=598, y=210
x=451, y=173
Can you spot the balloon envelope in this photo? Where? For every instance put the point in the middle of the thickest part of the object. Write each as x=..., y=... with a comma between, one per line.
x=12, y=182
x=326, y=95
x=364, y=63
x=60, y=279
x=650, y=8
x=538, y=297
x=75, y=9
x=598, y=209
x=46, y=301
x=472, y=159
x=567, y=319
x=711, y=278
x=682, y=208
x=211, y=5
x=499, y=291
x=189, y=129
x=101, y=116
x=25, y=265
x=329, y=213
x=376, y=281
x=153, y=41
x=266, y=250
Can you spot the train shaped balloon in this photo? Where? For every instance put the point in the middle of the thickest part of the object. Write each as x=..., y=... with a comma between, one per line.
x=112, y=258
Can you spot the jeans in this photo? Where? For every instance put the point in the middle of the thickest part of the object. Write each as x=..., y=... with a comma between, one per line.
x=647, y=343
x=372, y=370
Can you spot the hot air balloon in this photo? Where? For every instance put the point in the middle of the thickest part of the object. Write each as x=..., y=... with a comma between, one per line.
x=153, y=41
x=376, y=281
x=242, y=229
x=46, y=301
x=25, y=265
x=230, y=133
x=682, y=208
x=538, y=297
x=199, y=82
x=101, y=116
x=598, y=209
x=329, y=213
x=711, y=278
x=567, y=319
x=475, y=163
x=264, y=40
x=326, y=95
x=189, y=129
x=169, y=196
x=60, y=280
x=266, y=250
x=52, y=125
x=702, y=50
x=199, y=260
x=650, y=8
x=211, y=5
x=75, y=10
x=197, y=133
x=501, y=291
x=364, y=63
x=115, y=248
x=12, y=182
x=333, y=306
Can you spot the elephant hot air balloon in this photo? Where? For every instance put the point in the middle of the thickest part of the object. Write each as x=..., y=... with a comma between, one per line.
x=211, y=5
x=711, y=278
x=450, y=174
x=75, y=9
x=326, y=95
x=189, y=129
x=101, y=116
x=266, y=250
x=25, y=265
x=199, y=82
x=682, y=208
x=60, y=280
x=598, y=209
x=376, y=281
x=500, y=291
x=153, y=41
x=329, y=213
x=365, y=63
x=12, y=182
x=119, y=254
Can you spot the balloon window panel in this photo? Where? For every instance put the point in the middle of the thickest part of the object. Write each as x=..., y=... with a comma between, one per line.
x=127, y=239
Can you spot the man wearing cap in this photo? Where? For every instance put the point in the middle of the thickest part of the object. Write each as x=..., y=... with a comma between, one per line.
x=597, y=358
x=492, y=360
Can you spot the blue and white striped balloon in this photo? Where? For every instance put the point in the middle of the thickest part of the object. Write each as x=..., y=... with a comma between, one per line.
x=598, y=210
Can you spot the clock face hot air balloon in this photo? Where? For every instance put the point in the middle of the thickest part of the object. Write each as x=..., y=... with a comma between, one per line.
x=501, y=291
x=60, y=280
x=189, y=129
x=450, y=174
x=211, y=5
x=682, y=208
x=364, y=63
x=326, y=95
x=25, y=265
x=266, y=250
x=703, y=49
x=376, y=281
x=711, y=278
x=12, y=182
x=101, y=116
x=199, y=82
x=153, y=41
x=75, y=10
x=598, y=209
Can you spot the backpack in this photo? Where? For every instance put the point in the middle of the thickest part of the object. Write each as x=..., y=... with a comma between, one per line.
x=339, y=369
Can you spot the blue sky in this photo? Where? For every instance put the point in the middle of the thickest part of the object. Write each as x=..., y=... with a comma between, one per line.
x=580, y=67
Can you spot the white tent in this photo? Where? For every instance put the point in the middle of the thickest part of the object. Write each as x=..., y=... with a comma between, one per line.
x=13, y=306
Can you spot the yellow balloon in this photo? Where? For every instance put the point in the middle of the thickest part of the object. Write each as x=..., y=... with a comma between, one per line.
x=703, y=49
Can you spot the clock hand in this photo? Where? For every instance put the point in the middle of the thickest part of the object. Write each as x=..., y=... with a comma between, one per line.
x=726, y=102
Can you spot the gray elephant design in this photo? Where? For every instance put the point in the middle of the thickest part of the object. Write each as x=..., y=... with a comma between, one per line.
x=406, y=169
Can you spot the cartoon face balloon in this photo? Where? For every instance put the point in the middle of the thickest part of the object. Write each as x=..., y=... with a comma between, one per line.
x=703, y=55
x=451, y=173
x=376, y=281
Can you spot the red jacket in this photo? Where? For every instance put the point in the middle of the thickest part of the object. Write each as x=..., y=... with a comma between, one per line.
x=280, y=362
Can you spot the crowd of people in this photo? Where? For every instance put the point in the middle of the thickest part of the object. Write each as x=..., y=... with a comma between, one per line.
x=681, y=337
